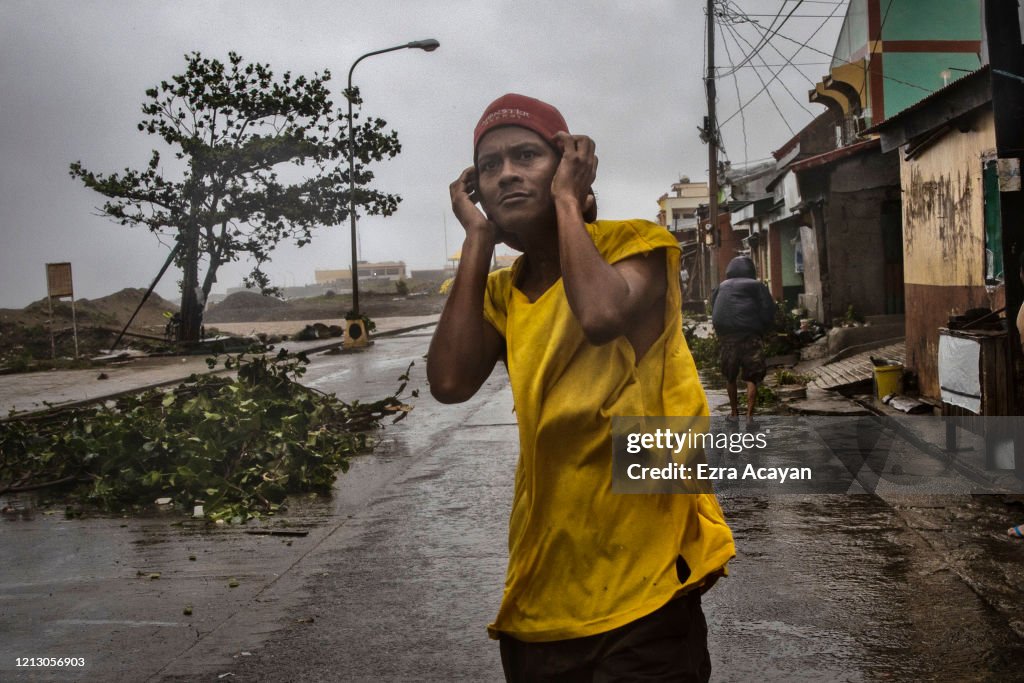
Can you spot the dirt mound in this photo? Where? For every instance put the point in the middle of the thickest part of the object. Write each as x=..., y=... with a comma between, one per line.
x=120, y=306
x=113, y=310
x=26, y=332
x=243, y=307
x=247, y=307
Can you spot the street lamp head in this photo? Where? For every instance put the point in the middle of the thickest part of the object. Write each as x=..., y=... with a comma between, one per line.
x=429, y=45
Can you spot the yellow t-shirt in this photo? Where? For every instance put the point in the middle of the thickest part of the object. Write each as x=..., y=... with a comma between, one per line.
x=1020, y=325
x=583, y=560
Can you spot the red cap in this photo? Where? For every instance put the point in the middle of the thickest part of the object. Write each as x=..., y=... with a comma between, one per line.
x=525, y=112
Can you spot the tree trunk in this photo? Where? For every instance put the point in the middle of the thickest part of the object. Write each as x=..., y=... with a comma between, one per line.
x=215, y=262
x=191, y=307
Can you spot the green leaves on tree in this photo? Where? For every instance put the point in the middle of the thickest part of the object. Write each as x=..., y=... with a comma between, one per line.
x=257, y=160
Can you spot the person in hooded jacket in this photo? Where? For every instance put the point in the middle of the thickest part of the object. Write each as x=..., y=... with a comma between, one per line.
x=742, y=312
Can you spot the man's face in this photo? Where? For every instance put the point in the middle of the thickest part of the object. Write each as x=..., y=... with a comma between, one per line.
x=515, y=167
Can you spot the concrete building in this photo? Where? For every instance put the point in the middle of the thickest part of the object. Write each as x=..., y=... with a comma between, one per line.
x=384, y=270
x=844, y=192
x=892, y=53
x=677, y=210
x=951, y=182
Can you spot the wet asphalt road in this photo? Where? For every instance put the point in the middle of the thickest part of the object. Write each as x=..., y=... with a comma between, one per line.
x=403, y=568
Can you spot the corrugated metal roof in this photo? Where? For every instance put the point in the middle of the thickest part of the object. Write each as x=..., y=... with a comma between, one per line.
x=836, y=155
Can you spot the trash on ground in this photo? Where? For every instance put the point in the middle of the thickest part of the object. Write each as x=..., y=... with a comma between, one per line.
x=908, y=405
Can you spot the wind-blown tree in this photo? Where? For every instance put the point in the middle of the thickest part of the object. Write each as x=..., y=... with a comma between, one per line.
x=260, y=161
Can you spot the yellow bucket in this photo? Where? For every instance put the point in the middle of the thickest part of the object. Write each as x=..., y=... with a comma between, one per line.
x=888, y=379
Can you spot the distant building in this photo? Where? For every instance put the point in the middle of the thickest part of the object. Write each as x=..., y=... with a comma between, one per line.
x=385, y=270
x=678, y=211
x=437, y=274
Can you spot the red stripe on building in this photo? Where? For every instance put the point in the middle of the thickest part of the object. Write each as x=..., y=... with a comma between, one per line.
x=969, y=46
x=877, y=88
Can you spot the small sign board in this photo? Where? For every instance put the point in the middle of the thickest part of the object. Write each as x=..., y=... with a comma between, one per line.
x=58, y=280
x=58, y=285
x=1009, y=174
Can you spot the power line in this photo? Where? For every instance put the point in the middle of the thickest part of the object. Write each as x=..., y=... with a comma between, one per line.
x=726, y=12
x=776, y=76
x=765, y=88
x=826, y=54
x=764, y=40
x=801, y=16
x=775, y=66
x=789, y=60
x=736, y=82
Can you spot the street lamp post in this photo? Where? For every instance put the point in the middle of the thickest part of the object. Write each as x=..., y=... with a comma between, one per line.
x=428, y=45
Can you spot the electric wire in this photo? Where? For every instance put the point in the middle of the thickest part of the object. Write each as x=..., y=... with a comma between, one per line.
x=736, y=35
x=757, y=27
x=775, y=66
x=765, y=88
x=736, y=82
x=776, y=76
x=800, y=16
x=761, y=44
x=826, y=54
x=746, y=59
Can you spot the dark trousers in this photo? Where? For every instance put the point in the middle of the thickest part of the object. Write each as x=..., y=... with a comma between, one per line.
x=670, y=644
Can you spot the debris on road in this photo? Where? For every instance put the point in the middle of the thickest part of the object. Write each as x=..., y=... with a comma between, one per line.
x=228, y=449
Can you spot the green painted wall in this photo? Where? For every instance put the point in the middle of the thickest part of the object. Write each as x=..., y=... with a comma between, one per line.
x=931, y=20
x=912, y=76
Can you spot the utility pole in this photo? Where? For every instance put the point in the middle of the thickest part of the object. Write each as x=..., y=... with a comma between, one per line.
x=711, y=129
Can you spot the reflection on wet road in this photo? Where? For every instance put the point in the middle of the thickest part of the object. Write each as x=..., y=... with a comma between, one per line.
x=839, y=588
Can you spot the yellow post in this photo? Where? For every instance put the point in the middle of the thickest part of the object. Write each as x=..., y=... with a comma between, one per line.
x=355, y=334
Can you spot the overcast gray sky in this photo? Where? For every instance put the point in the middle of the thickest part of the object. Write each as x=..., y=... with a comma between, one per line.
x=73, y=76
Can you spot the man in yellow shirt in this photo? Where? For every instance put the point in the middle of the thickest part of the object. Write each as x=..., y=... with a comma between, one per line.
x=599, y=586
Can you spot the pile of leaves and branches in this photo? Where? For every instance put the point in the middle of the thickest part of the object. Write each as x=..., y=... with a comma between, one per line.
x=705, y=351
x=766, y=398
x=238, y=446
x=783, y=339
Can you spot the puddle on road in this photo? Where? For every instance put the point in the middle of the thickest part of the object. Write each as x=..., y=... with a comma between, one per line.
x=19, y=506
x=838, y=588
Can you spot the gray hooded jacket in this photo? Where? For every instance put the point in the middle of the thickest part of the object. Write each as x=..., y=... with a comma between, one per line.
x=742, y=305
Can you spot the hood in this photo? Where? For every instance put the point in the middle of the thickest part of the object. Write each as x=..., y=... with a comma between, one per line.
x=741, y=266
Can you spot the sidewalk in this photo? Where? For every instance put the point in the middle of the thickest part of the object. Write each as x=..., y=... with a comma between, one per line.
x=924, y=434
x=35, y=391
